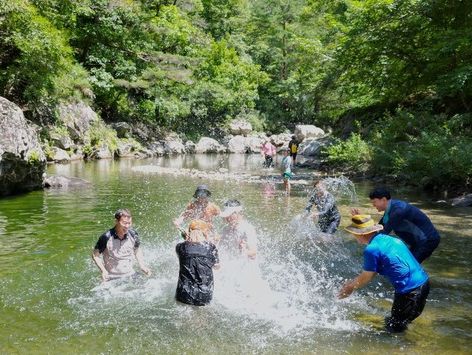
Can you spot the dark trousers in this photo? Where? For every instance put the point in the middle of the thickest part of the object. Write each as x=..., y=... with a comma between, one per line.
x=407, y=307
x=424, y=251
x=269, y=161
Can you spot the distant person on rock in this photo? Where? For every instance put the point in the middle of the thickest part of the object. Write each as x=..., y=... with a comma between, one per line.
x=200, y=208
x=118, y=247
x=268, y=151
x=327, y=214
x=389, y=257
x=408, y=222
x=197, y=259
x=293, y=146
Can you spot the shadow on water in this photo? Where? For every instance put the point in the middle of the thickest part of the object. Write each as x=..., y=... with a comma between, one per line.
x=285, y=302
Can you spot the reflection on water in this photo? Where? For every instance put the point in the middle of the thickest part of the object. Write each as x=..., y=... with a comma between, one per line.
x=284, y=302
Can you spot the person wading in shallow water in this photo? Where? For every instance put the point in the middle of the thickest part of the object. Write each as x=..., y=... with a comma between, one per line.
x=238, y=234
x=268, y=151
x=286, y=169
x=117, y=247
x=200, y=208
x=197, y=258
x=327, y=214
x=293, y=146
x=390, y=257
x=408, y=222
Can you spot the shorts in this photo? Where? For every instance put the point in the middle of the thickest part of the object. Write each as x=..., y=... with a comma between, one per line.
x=294, y=156
x=407, y=307
x=424, y=251
x=269, y=161
x=287, y=176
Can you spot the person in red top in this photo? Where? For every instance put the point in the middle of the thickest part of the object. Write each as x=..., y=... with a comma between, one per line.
x=268, y=151
x=200, y=208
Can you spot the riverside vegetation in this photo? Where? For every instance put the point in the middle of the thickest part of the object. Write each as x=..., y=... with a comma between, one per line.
x=392, y=78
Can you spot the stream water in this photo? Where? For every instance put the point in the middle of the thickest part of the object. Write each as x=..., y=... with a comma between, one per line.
x=52, y=301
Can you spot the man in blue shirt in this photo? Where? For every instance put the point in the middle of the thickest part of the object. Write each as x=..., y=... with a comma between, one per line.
x=390, y=257
x=408, y=222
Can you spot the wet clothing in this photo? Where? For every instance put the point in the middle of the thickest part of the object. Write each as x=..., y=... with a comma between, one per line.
x=204, y=212
x=391, y=258
x=407, y=307
x=232, y=236
x=269, y=161
x=269, y=151
x=412, y=226
x=118, y=253
x=195, y=284
x=286, y=166
x=328, y=213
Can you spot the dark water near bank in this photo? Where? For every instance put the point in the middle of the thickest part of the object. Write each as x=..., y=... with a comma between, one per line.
x=51, y=300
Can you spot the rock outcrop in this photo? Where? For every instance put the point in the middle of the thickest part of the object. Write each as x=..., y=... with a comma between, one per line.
x=22, y=160
x=240, y=127
x=308, y=131
x=77, y=118
x=209, y=145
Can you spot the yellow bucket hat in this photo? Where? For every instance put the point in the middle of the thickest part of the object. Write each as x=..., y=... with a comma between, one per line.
x=363, y=224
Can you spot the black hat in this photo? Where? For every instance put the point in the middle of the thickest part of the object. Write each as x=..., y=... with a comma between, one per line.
x=202, y=191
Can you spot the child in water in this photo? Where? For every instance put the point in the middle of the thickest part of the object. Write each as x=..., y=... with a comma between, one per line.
x=286, y=167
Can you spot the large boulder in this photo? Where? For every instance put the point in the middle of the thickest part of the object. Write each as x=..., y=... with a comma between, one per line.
x=123, y=129
x=462, y=201
x=209, y=145
x=78, y=117
x=240, y=127
x=313, y=147
x=237, y=144
x=22, y=160
x=60, y=181
x=101, y=152
x=253, y=144
x=173, y=145
x=190, y=147
x=59, y=155
x=308, y=131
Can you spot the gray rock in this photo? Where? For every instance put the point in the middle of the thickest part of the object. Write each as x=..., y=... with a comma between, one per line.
x=313, y=147
x=240, y=127
x=78, y=118
x=103, y=152
x=22, y=160
x=174, y=146
x=125, y=149
x=157, y=148
x=63, y=142
x=308, y=131
x=462, y=201
x=237, y=144
x=190, y=147
x=123, y=129
x=60, y=181
x=253, y=144
x=209, y=145
x=78, y=154
x=280, y=140
x=59, y=155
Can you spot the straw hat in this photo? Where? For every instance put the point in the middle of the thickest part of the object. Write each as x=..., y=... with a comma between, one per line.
x=363, y=224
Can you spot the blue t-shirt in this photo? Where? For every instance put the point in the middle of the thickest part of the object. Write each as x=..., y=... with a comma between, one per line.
x=391, y=258
x=409, y=223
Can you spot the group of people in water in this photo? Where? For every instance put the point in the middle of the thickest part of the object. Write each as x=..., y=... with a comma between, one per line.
x=397, y=258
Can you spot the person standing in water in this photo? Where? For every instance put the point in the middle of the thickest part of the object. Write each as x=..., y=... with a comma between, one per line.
x=117, y=247
x=200, y=208
x=293, y=146
x=327, y=213
x=408, y=222
x=286, y=168
x=238, y=234
x=268, y=151
x=390, y=257
x=197, y=259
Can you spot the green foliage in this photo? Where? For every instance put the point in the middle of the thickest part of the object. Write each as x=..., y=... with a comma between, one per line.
x=353, y=154
x=101, y=135
x=423, y=149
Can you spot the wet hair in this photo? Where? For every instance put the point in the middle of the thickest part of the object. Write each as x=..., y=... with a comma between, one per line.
x=122, y=212
x=232, y=203
x=380, y=192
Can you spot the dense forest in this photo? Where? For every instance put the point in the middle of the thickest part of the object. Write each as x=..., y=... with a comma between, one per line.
x=392, y=79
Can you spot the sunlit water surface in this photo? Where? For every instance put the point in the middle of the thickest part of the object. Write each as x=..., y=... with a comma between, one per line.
x=52, y=301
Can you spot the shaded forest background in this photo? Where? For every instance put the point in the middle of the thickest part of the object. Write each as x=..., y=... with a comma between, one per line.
x=391, y=79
